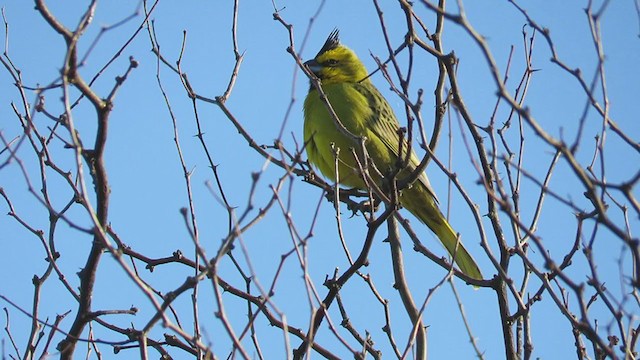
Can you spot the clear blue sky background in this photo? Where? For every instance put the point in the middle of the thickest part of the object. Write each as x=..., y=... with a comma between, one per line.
x=148, y=185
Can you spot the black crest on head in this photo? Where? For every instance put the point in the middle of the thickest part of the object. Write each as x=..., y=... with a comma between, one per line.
x=333, y=41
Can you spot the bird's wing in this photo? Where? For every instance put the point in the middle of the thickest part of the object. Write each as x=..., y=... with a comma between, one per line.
x=384, y=125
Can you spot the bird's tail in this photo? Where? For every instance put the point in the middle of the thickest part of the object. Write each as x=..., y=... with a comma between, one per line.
x=449, y=239
x=425, y=209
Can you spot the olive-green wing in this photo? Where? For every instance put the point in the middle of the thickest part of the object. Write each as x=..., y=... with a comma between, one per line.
x=384, y=124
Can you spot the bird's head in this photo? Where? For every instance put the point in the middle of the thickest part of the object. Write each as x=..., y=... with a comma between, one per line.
x=336, y=63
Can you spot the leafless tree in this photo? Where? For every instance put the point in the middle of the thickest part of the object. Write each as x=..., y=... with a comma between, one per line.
x=222, y=300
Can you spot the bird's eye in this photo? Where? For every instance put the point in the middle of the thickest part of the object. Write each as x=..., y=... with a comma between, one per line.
x=332, y=62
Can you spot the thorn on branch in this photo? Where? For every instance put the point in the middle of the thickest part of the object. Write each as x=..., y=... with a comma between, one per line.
x=40, y=104
x=63, y=119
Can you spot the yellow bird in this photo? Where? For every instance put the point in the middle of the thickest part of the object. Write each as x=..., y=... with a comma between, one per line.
x=364, y=112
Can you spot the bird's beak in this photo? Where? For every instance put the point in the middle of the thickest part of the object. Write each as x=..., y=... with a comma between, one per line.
x=313, y=66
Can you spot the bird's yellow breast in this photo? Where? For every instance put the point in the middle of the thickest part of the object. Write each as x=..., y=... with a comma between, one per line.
x=321, y=131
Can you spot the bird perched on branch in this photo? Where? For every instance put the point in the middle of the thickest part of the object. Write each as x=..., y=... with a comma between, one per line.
x=363, y=113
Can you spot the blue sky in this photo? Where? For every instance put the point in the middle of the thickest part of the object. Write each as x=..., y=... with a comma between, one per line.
x=148, y=186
